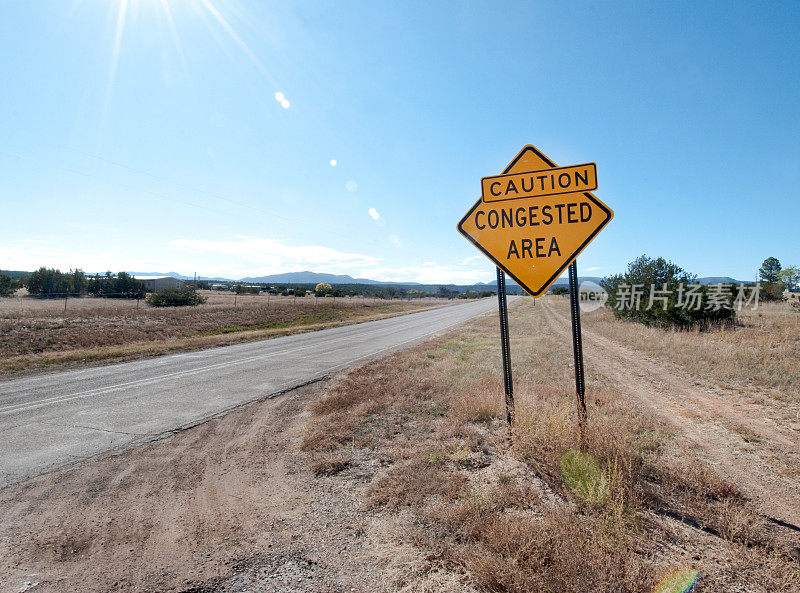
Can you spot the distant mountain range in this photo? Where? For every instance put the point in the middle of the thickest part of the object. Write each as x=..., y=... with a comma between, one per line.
x=308, y=277
x=720, y=280
x=316, y=277
x=559, y=282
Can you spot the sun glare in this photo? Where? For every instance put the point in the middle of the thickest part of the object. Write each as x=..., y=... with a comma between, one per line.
x=202, y=7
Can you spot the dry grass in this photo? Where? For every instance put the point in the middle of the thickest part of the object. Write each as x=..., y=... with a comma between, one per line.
x=327, y=464
x=36, y=333
x=468, y=511
x=761, y=352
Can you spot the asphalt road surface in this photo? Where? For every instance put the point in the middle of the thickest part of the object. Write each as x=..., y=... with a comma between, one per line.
x=54, y=419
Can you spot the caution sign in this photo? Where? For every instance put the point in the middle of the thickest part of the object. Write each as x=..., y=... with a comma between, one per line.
x=534, y=219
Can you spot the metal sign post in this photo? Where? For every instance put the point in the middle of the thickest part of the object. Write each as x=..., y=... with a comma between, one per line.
x=505, y=346
x=577, y=346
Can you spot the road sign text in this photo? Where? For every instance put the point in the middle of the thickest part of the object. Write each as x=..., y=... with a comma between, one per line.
x=547, y=182
x=569, y=213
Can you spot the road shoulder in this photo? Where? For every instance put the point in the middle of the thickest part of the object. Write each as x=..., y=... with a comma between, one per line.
x=221, y=506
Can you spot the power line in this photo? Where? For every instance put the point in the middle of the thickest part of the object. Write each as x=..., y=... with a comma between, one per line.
x=206, y=193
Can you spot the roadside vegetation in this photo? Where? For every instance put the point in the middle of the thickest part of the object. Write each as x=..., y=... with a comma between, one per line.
x=760, y=354
x=656, y=292
x=460, y=509
x=754, y=347
x=185, y=296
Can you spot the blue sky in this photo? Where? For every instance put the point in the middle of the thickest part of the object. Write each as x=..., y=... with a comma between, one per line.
x=146, y=134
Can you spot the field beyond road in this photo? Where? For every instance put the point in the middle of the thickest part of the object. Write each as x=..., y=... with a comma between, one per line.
x=398, y=476
x=39, y=333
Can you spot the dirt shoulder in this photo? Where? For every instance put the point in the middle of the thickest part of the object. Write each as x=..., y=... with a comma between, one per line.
x=224, y=506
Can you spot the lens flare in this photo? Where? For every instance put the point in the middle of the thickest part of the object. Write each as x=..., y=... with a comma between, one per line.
x=680, y=580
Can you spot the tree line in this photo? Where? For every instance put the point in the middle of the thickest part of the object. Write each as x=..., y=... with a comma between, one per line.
x=52, y=283
x=775, y=278
x=325, y=289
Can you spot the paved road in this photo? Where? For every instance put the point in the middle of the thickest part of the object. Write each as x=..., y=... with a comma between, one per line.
x=50, y=420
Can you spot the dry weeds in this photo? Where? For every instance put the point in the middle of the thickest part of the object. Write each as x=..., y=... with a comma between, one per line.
x=761, y=352
x=432, y=418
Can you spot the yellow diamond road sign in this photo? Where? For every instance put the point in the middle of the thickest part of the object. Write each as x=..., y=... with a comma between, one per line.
x=534, y=219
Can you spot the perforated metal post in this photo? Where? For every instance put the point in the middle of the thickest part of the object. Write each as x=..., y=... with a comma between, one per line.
x=505, y=347
x=577, y=346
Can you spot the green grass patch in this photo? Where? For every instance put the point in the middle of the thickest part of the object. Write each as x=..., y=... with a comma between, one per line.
x=583, y=475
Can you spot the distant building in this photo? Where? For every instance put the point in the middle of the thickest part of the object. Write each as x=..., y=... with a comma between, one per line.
x=160, y=282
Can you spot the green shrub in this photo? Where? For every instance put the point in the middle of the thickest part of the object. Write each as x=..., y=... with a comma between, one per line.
x=656, y=292
x=175, y=297
x=772, y=292
x=244, y=289
x=322, y=289
x=7, y=285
